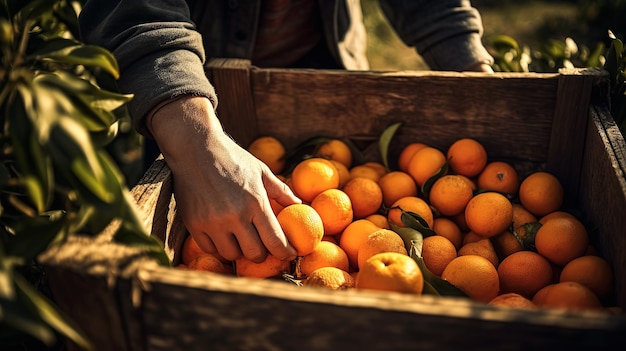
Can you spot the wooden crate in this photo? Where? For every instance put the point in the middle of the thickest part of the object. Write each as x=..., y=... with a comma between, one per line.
x=557, y=122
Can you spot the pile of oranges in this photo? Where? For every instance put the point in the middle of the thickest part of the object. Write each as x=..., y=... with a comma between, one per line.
x=498, y=238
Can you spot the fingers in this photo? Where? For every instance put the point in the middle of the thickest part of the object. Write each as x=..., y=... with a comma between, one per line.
x=204, y=242
x=273, y=237
x=279, y=191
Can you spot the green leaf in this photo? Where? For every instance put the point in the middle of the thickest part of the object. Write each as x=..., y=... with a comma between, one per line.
x=33, y=10
x=416, y=222
x=430, y=181
x=153, y=247
x=385, y=140
x=86, y=55
x=49, y=313
x=32, y=235
x=433, y=284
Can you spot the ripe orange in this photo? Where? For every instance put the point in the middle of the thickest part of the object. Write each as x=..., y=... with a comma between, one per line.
x=391, y=271
x=499, y=176
x=450, y=194
x=482, y=247
x=382, y=240
x=592, y=271
x=335, y=209
x=377, y=166
x=410, y=204
x=395, y=185
x=210, y=263
x=447, y=228
x=190, y=250
x=541, y=193
x=467, y=157
x=343, y=172
x=505, y=244
x=471, y=237
x=407, y=153
x=561, y=240
x=312, y=176
x=553, y=214
x=524, y=273
x=489, y=214
x=363, y=171
x=567, y=295
x=353, y=236
x=270, y=267
x=425, y=163
x=326, y=254
x=335, y=149
x=303, y=227
x=365, y=195
x=437, y=252
x=329, y=277
x=512, y=300
x=522, y=216
x=379, y=220
x=474, y=275
x=270, y=151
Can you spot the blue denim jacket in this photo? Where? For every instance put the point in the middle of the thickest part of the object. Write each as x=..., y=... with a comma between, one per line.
x=161, y=45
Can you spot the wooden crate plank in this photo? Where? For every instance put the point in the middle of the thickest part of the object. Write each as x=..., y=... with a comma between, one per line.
x=603, y=193
x=510, y=113
x=235, y=109
x=571, y=116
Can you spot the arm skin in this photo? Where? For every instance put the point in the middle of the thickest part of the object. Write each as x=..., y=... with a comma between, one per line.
x=222, y=190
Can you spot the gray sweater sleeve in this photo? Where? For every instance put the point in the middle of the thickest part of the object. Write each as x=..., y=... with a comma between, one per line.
x=157, y=48
x=446, y=33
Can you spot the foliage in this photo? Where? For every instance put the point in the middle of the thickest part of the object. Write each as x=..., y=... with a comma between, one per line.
x=59, y=110
x=510, y=56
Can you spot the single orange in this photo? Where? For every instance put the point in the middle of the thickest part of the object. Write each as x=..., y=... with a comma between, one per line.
x=270, y=151
x=512, y=300
x=447, y=228
x=541, y=193
x=561, y=240
x=343, y=172
x=303, y=227
x=425, y=163
x=407, y=153
x=335, y=149
x=391, y=271
x=489, y=213
x=363, y=171
x=382, y=240
x=190, y=250
x=522, y=216
x=395, y=185
x=524, y=273
x=592, y=271
x=410, y=204
x=379, y=220
x=437, y=252
x=482, y=247
x=499, y=176
x=330, y=278
x=335, y=208
x=553, y=214
x=210, y=263
x=505, y=244
x=325, y=254
x=365, y=195
x=474, y=275
x=312, y=176
x=450, y=194
x=270, y=267
x=570, y=296
x=377, y=166
x=354, y=236
x=467, y=157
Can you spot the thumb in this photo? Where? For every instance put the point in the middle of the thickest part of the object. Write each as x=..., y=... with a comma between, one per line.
x=279, y=191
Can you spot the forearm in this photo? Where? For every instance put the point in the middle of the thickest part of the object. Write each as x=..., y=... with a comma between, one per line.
x=159, y=52
x=446, y=33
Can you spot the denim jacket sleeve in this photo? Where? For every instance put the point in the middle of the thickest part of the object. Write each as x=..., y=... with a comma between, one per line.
x=159, y=52
x=446, y=33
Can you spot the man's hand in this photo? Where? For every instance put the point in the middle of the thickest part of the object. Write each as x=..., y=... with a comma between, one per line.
x=221, y=190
